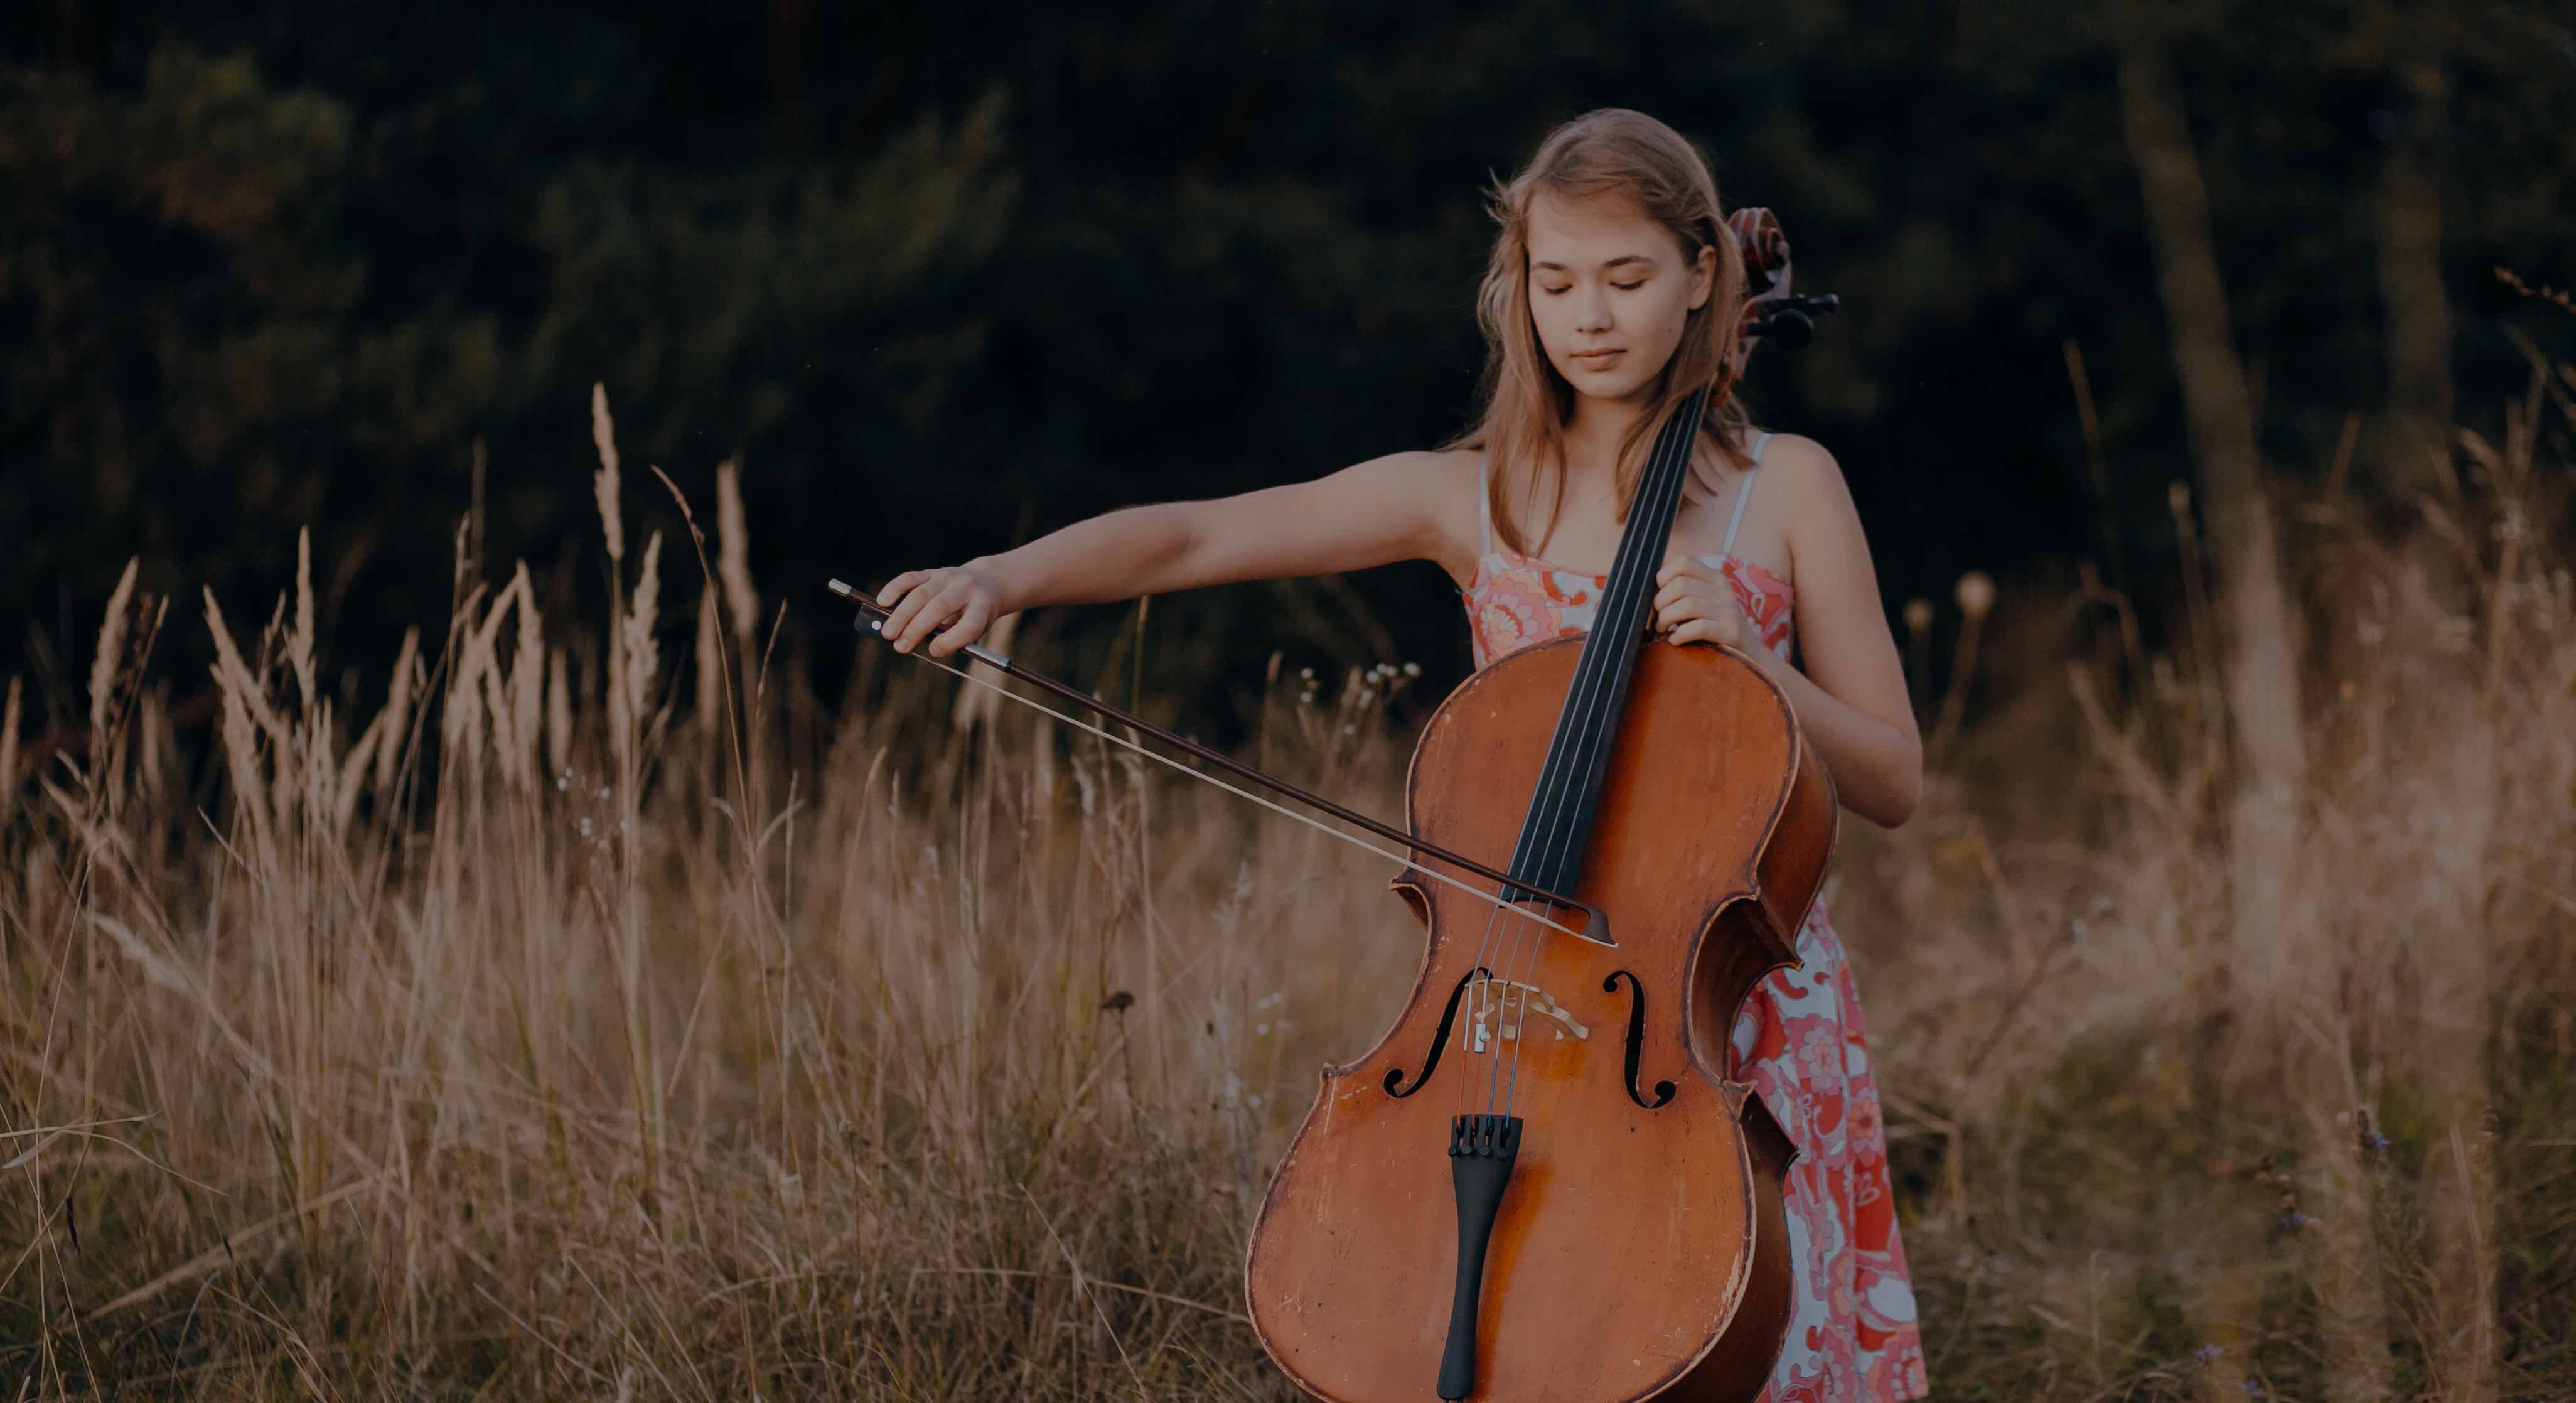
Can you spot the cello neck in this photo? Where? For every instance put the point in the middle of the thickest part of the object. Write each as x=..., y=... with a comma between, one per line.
x=1558, y=826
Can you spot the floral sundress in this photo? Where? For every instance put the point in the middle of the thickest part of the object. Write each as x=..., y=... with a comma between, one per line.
x=1799, y=1041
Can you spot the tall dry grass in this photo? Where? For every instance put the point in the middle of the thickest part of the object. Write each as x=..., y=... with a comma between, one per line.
x=549, y=1035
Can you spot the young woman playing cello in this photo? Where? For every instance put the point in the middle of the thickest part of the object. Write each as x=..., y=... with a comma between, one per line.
x=1613, y=267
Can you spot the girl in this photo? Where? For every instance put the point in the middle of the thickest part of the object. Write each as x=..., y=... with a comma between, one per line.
x=1614, y=290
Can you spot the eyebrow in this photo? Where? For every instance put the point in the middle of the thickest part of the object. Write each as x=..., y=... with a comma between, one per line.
x=1613, y=263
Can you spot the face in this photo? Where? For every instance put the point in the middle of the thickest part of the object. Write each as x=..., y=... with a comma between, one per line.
x=1609, y=290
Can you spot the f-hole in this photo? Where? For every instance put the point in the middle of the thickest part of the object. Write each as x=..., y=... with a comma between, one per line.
x=1636, y=1038
x=1440, y=1040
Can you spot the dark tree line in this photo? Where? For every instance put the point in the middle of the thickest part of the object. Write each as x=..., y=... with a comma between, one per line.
x=938, y=276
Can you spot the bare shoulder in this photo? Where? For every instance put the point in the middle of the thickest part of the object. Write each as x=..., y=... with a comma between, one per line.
x=1453, y=479
x=1807, y=487
x=1801, y=468
x=1443, y=484
x=1819, y=518
x=1454, y=467
x=1453, y=462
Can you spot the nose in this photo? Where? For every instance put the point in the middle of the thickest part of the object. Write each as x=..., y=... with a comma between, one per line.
x=1591, y=310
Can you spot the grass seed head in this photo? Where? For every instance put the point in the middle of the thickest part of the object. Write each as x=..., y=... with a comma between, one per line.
x=603, y=484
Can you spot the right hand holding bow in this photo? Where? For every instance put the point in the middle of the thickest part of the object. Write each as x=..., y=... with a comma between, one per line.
x=960, y=601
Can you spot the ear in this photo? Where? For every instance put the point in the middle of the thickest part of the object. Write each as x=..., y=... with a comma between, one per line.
x=1703, y=275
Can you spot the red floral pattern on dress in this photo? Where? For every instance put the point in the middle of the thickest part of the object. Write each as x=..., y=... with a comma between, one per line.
x=1799, y=1041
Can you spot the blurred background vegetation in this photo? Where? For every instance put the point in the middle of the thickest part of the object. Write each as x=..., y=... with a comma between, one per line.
x=2223, y=987
x=940, y=277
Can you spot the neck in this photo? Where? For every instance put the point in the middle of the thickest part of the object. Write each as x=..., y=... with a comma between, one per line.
x=1592, y=436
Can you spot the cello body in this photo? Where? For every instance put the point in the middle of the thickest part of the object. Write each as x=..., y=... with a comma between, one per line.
x=1638, y=1249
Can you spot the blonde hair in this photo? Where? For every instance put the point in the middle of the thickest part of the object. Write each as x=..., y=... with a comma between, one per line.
x=1618, y=153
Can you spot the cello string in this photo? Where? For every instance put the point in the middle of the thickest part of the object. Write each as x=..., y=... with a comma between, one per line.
x=1671, y=459
x=1494, y=1080
x=1587, y=707
x=1477, y=990
x=1589, y=711
x=1595, y=717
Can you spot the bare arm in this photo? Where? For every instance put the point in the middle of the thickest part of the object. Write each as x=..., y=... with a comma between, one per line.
x=1398, y=507
x=1851, y=695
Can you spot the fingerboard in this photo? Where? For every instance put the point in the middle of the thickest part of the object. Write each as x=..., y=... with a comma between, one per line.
x=1549, y=855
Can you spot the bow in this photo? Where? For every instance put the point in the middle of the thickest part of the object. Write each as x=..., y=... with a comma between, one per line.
x=1773, y=315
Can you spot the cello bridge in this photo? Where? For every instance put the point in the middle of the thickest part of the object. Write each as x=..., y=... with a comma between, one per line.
x=1498, y=1010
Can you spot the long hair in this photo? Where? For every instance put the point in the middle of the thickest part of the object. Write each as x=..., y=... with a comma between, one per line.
x=1619, y=153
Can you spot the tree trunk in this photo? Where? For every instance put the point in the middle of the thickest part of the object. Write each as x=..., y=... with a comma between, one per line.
x=2410, y=284
x=2258, y=635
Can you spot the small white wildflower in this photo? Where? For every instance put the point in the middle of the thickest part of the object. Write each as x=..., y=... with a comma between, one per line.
x=585, y=828
x=603, y=791
x=1413, y=669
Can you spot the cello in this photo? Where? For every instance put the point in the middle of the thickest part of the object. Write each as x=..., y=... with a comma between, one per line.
x=1540, y=1184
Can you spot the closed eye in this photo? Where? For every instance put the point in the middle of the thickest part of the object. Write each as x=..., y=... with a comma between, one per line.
x=1623, y=287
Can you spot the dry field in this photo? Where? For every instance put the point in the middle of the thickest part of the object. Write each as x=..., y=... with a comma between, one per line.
x=593, y=1023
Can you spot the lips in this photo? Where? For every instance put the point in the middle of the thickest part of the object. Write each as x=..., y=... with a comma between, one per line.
x=1597, y=359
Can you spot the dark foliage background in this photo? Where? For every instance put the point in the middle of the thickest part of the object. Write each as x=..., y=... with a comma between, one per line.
x=942, y=276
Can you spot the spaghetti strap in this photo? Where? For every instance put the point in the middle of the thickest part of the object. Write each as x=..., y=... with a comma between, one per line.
x=1743, y=494
x=1484, y=505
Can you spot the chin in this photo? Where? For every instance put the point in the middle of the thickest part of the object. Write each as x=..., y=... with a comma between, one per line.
x=1601, y=387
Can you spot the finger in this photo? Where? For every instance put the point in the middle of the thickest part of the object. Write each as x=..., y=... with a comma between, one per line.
x=934, y=614
x=1679, y=590
x=1699, y=631
x=916, y=597
x=943, y=611
x=939, y=608
x=969, y=626
x=909, y=605
x=895, y=588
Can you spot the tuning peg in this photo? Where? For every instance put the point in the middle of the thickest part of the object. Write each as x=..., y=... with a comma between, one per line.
x=1791, y=322
x=1787, y=328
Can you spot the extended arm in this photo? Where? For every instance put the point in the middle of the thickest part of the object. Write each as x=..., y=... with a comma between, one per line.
x=1371, y=513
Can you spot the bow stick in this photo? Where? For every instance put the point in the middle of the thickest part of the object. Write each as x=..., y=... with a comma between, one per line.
x=1772, y=314
x=1596, y=929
